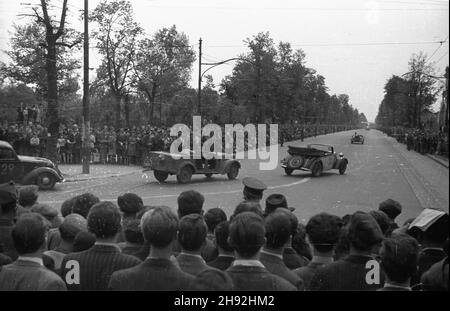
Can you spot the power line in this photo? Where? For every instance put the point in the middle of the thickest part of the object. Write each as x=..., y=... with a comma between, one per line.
x=293, y=8
x=441, y=57
x=441, y=43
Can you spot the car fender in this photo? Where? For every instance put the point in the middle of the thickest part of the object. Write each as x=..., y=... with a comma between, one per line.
x=31, y=176
x=228, y=164
x=310, y=164
x=184, y=164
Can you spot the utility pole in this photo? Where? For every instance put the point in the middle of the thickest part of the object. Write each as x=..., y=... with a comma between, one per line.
x=86, y=122
x=199, y=105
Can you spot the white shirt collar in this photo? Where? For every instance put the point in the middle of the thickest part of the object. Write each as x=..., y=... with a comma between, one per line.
x=386, y=284
x=248, y=263
x=107, y=244
x=272, y=254
x=192, y=255
x=32, y=259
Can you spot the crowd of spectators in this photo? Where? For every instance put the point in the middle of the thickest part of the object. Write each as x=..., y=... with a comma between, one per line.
x=422, y=141
x=126, y=245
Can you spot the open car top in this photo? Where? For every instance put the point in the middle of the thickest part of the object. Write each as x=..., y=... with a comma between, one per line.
x=310, y=150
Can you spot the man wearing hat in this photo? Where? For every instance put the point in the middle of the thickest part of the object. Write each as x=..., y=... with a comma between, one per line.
x=350, y=273
x=275, y=201
x=28, y=196
x=8, y=206
x=253, y=189
x=391, y=208
x=49, y=213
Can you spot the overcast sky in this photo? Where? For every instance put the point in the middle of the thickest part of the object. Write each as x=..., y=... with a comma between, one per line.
x=355, y=44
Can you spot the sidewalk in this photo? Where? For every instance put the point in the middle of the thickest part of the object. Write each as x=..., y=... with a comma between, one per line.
x=72, y=172
x=442, y=160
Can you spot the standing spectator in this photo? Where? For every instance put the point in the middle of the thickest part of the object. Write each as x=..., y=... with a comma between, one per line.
x=25, y=114
x=20, y=116
x=34, y=144
x=112, y=146
x=247, y=236
x=83, y=204
x=278, y=233
x=131, y=150
x=436, y=278
x=49, y=213
x=104, y=258
x=76, y=145
x=399, y=258
x=61, y=147
x=129, y=204
x=8, y=206
x=28, y=271
x=226, y=252
x=103, y=141
x=323, y=232
x=191, y=238
x=350, y=272
x=391, y=208
x=28, y=196
x=253, y=189
x=301, y=247
x=158, y=272
x=134, y=240
x=213, y=217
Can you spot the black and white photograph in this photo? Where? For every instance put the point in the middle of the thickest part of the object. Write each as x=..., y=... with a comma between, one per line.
x=224, y=152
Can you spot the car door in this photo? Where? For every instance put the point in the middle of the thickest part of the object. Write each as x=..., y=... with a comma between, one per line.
x=10, y=166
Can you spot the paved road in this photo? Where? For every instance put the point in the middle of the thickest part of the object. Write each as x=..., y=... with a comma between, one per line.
x=379, y=169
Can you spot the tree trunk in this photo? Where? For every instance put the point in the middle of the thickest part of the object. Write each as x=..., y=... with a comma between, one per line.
x=127, y=111
x=118, y=111
x=52, y=98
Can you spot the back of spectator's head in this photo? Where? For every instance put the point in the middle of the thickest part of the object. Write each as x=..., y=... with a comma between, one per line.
x=248, y=206
x=275, y=201
x=299, y=242
x=391, y=207
x=190, y=202
x=29, y=233
x=28, y=195
x=278, y=230
x=67, y=206
x=382, y=220
x=159, y=226
x=132, y=231
x=83, y=241
x=213, y=217
x=130, y=203
x=8, y=199
x=104, y=220
x=323, y=231
x=50, y=213
x=83, y=203
x=247, y=234
x=71, y=226
x=221, y=234
x=292, y=218
x=213, y=280
x=363, y=232
x=144, y=210
x=192, y=232
x=399, y=257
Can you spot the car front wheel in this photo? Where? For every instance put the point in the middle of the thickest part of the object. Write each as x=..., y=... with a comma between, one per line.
x=161, y=176
x=46, y=181
x=317, y=169
x=185, y=175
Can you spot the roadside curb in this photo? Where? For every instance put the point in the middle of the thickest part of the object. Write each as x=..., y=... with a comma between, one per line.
x=437, y=160
x=74, y=179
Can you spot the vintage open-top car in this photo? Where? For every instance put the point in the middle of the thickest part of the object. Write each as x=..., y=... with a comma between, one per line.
x=357, y=139
x=164, y=164
x=316, y=158
x=27, y=170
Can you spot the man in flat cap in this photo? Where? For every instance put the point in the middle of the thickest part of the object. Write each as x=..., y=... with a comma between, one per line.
x=350, y=273
x=28, y=196
x=275, y=201
x=129, y=204
x=8, y=207
x=253, y=189
x=391, y=208
x=49, y=213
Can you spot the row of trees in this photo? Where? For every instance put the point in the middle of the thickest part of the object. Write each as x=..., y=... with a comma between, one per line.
x=409, y=96
x=146, y=78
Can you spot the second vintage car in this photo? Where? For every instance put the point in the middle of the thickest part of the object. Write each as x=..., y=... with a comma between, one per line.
x=357, y=139
x=27, y=170
x=316, y=158
x=164, y=164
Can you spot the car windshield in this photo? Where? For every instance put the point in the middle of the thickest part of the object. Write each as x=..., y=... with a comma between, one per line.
x=321, y=147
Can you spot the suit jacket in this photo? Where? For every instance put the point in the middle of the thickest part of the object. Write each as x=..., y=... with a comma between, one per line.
x=24, y=275
x=436, y=278
x=6, y=242
x=307, y=273
x=143, y=252
x=221, y=262
x=348, y=273
x=292, y=260
x=54, y=239
x=252, y=278
x=427, y=258
x=97, y=264
x=191, y=264
x=275, y=265
x=152, y=275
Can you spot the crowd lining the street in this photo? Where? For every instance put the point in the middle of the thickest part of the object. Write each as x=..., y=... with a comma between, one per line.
x=262, y=246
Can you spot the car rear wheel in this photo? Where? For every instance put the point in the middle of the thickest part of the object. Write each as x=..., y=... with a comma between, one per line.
x=46, y=181
x=317, y=169
x=288, y=171
x=342, y=168
x=161, y=176
x=185, y=175
x=233, y=172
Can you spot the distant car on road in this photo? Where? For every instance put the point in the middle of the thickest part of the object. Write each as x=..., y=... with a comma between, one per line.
x=27, y=170
x=164, y=164
x=357, y=139
x=316, y=158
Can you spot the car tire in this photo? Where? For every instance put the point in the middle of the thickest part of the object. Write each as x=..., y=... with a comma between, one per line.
x=316, y=170
x=288, y=171
x=208, y=175
x=296, y=162
x=342, y=168
x=185, y=175
x=161, y=176
x=233, y=172
x=46, y=181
